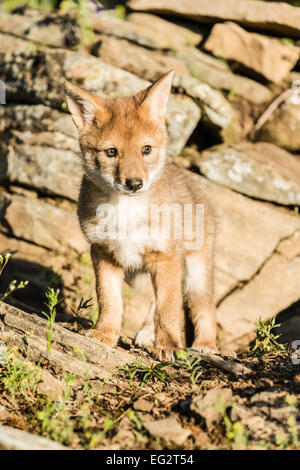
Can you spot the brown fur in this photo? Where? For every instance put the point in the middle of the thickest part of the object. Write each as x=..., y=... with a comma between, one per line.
x=128, y=124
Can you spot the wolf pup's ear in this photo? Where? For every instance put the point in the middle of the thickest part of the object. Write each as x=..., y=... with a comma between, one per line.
x=155, y=98
x=82, y=105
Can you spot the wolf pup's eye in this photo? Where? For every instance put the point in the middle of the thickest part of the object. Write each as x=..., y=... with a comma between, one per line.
x=146, y=149
x=111, y=152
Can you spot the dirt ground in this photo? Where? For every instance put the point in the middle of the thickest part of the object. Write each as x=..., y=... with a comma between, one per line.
x=180, y=406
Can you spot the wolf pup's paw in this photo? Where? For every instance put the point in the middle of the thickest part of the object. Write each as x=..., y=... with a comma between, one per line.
x=109, y=339
x=165, y=353
x=145, y=337
x=212, y=349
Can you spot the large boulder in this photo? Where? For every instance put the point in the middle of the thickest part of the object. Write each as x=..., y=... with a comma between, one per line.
x=278, y=18
x=38, y=77
x=268, y=57
x=259, y=278
x=260, y=170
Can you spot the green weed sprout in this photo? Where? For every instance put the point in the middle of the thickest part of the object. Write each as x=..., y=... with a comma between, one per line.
x=52, y=302
x=266, y=341
x=14, y=285
x=155, y=372
x=191, y=363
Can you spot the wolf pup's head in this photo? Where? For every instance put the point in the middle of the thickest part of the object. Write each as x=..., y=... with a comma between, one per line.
x=122, y=140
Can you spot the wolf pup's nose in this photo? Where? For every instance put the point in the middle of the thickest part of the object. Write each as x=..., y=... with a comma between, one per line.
x=133, y=184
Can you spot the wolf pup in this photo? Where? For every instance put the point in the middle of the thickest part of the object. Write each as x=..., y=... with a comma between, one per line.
x=126, y=172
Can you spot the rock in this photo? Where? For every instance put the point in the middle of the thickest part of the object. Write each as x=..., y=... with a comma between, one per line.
x=14, y=439
x=126, y=438
x=273, y=289
x=43, y=223
x=151, y=64
x=148, y=64
x=177, y=35
x=224, y=284
x=252, y=278
x=290, y=248
x=46, y=72
x=143, y=405
x=50, y=170
x=9, y=43
x=275, y=17
x=49, y=385
x=283, y=127
x=145, y=63
x=58, y=30
x=146, y=30
x=4, y=414
x=218, y=113
x=267, y=57
x=206, y=407
x=215, y=73
x=243, y=224
x=256, y=423
x=46, y=125
x=67, y=348
x=268, y=398
x=168, y=429
x=259, y=170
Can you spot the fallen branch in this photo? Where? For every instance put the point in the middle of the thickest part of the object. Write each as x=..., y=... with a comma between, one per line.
x=293, y=91
x=226, y=365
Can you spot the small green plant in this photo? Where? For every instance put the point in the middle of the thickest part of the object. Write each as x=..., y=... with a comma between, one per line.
x=82, y=11
x=51, y=303
x=266, y=341
x=54, y=418
x=19, y=377
x=235, y=432
x=292, y=440
x=287, y=41
x=136, y=421
x=83, y=305
x=191, y=363
x=232, y=92
x=120, y=12
x=86, y=384
x=145, y=373
x=14, y=285
x=3, y=261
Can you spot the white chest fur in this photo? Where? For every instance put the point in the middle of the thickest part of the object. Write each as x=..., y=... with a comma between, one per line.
x=123, y=227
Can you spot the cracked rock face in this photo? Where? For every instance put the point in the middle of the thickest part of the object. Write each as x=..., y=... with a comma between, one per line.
x=38, y=77
x=257, y=262
x=260, y=170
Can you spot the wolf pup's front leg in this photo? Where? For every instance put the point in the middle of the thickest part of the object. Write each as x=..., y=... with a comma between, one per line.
x=109, y=279
x=166, y=278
